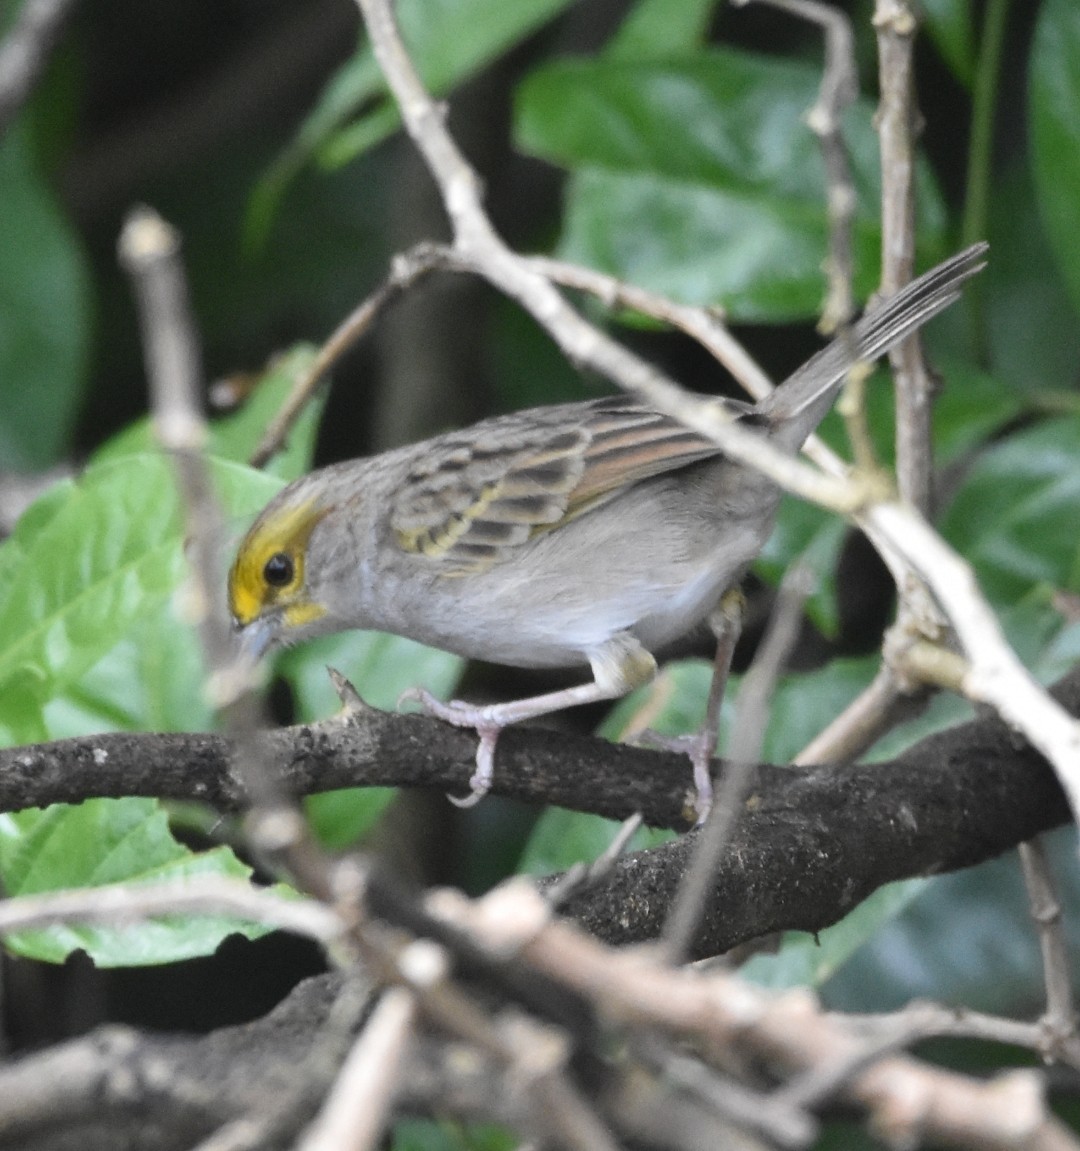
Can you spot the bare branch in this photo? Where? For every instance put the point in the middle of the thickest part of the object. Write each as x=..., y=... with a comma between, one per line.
x=359, y=1103
x=1059, y=1020
x=752, y=711
x=128, y=903
x=896, y=22
x=407, y=270
x=953, y=799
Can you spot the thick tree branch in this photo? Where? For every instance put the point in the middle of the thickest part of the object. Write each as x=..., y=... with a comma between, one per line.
x=811, y=841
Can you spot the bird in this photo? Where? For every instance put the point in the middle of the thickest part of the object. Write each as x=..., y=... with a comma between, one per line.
x=577, y=535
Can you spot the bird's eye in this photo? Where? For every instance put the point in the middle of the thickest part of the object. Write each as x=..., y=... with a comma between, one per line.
x=278, y=570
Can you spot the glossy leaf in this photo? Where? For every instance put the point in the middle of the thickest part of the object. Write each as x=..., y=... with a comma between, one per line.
x=805, y=530
x=656, y=28
x=102, y=842
x=107, y=556
x=950, y=25
x=91, y=641
x=150, y=680
x=430, y=1135
x=697, y=177
x=966, y=939
x=1031, y=328
x=674, y=703
x=1014, y=516
x=449, y=40
x=1055, y=132
x=562, y=838
x=970, y=407
x=235, y=436
x=809, y=960
x=44, y=315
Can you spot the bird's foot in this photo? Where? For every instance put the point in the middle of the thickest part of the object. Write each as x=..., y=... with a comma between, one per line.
x=699, y=747
x=478, y=719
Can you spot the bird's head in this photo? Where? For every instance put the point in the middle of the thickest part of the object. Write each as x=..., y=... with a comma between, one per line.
x=274, y=589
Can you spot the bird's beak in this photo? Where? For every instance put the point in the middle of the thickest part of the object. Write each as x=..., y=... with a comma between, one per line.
x=254, y=638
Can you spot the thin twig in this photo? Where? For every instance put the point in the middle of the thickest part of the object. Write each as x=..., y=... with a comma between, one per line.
x=327, y=1050
x=752, y=710
x=896, y=23
x=478, y=246
x=906, y=1100
x=1059, y=1020
x=356, y=1111
x=787, y=1124
x=705, y=325
x=931, y=1021
x=838, y=90
x=129, y=903
x=996, y=675
x=860, y=725
x=581, y=876
x=150, y=252
x=406, y=270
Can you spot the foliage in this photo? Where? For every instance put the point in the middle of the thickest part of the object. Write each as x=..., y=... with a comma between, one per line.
x=688, y=169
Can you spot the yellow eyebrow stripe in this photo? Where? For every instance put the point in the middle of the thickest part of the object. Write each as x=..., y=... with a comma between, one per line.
x=287, y=530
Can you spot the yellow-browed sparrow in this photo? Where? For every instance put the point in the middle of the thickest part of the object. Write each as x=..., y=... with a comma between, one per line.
x=583, y=534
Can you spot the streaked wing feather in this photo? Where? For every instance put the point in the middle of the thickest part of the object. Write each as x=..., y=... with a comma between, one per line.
x=478, y=495
x=629, y=443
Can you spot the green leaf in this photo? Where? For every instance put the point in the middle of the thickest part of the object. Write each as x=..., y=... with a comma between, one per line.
x=1014, y=517
x=1031, y=318
x=805, y=530
x=235, y=436
x=970, y=409
x=966, y=939
x=950, y=26
x=449, y=40
x=44, y=315
x=697, y=177
x=90, y=641
x=151, y=680
x=971, y=406
x=103, y=842
x=656, y=28
x=1055, y=131
x=561, y=838
x=443, y=1135
x=674, y=703
x=104, y=559
x=809, y=960
x=380, y=667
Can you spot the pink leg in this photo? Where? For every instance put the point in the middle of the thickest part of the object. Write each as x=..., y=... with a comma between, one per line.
x=700, y=746
x=489, y=720
x=618, y=666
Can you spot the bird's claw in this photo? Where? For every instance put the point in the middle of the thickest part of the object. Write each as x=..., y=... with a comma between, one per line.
x=698, y=747
x=463, y=715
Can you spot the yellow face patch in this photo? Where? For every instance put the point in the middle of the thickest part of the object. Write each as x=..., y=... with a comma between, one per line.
x=268, y=570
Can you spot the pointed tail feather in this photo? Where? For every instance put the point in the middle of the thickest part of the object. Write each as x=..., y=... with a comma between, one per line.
x=799, y=404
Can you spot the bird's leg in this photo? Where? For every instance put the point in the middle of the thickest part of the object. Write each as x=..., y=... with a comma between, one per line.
x=619, y=665
x=725, y=622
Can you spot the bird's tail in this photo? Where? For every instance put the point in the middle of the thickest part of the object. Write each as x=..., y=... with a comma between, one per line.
x=799, y=404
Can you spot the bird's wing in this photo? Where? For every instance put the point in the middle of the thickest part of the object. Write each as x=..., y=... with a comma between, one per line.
x=477, y=495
